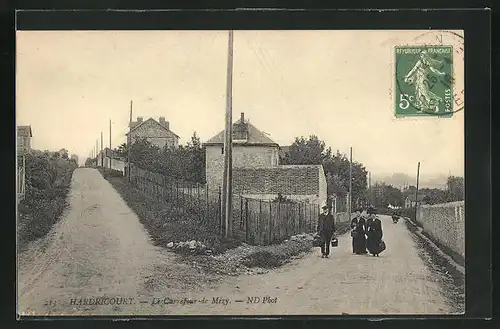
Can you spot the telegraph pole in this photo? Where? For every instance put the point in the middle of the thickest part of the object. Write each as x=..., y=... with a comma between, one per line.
x=110, y=154
x=97, y=152
x=416, y=192
x=350, y=183
x=370, y=188
x=128, y=141
x=228, y=143
x=102, y=158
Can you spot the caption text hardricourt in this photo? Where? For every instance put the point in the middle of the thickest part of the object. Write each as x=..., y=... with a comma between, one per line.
x=153, y=301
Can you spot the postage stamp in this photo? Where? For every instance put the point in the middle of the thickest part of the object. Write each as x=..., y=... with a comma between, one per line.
x=424, y=80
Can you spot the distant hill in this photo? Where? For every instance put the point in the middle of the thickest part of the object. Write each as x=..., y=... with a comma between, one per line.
x=400, y=180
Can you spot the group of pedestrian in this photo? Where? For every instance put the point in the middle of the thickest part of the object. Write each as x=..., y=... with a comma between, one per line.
x=366, y=233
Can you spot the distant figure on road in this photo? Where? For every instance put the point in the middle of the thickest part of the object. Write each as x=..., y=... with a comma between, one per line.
x=395, y=217
x=358, y=231
x=373, y=232
x=326, y=228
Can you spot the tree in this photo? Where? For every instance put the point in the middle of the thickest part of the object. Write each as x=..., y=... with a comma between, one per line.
x=434, y=196
x=63, y=153
x=307, y=151
x=122, y=150
x=88, y=162
x=314, y=151
x=385, y=195
x=196, y=159
x=186, y=162
x=455, y=188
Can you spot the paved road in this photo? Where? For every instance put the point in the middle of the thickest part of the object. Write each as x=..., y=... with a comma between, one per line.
x=100, y=249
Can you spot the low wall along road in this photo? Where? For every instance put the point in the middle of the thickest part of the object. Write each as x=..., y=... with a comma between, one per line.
x=445, y=223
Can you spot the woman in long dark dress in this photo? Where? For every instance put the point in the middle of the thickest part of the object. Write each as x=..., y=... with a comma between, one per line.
x=373, y=232
x=358, y=234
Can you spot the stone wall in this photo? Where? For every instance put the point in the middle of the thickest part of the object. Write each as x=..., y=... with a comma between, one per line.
x=445, y=223
x=115, y=164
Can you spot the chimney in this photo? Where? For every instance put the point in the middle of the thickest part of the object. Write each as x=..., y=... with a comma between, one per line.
x=242, y=117
x=139, y=119
x=164, y=123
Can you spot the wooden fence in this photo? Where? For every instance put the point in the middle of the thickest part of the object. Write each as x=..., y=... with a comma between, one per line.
x=20, y=177
x=257, y=222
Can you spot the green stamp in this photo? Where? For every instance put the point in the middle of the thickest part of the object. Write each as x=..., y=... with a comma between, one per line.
x=424, y=81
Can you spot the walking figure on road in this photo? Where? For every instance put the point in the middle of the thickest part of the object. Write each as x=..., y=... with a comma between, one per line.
x=358, y=231
x=326, y=228
x=374, y=233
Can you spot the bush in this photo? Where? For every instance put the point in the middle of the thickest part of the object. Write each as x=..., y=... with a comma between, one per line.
x=48, y=182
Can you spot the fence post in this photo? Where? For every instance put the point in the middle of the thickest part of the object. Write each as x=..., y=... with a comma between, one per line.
x=286, y=219
x=301, y=222
x=247, y=222
x=310, y=219
x=219, y=214
x=241, y=212
x=280, y=222
x=206, y=204
x=271, y=237
x=157, y=190
x=177, y=195
x=260, y=222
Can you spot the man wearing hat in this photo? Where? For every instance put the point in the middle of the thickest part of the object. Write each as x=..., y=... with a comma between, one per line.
x=326, y=228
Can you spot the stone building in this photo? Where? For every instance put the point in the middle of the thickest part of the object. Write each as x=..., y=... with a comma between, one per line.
x=156, y=132
x=257, y=172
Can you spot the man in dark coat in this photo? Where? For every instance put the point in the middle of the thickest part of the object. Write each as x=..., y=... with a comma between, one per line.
x=326, y=228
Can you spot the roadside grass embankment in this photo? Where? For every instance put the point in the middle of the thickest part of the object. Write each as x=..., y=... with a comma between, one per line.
x=48, y=181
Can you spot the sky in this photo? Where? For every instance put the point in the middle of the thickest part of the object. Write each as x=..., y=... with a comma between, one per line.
x=337, y=85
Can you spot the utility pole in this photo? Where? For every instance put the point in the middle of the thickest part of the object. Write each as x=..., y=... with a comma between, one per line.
x=97, y=152
x=228, y=143
x=102, y=158
x=370, y=192
x=110, y=154
x=350, y=183
x=416, y=192
x=128, y=141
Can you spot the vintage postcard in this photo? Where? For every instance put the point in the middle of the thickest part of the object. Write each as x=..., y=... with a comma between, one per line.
x=240, y=172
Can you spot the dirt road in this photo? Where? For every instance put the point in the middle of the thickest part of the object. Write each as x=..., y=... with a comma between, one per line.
x=99, y=256
x=98, y=249
x=397, y=282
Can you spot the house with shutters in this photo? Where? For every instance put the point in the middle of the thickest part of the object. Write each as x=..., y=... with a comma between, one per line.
x=257, y=172
x=156, y=132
